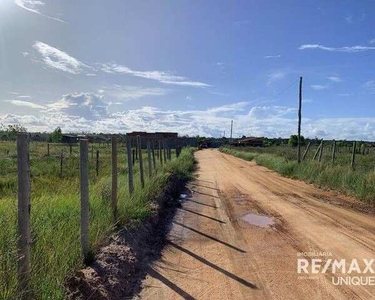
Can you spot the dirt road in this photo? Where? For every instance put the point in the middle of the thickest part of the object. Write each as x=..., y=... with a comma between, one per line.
x=238, y=234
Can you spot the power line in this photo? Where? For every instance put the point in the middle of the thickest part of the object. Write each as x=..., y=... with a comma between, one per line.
x=287, y=88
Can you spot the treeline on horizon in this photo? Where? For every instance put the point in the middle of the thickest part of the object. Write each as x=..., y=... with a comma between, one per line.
x=9, y=133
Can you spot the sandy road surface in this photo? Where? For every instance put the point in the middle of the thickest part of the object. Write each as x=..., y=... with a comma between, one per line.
x=214, y=253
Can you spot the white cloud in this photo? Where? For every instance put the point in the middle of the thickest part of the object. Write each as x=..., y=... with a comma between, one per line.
x=372, y=41
x=319, y=87
x=272, y=56
x=24, y=96
x=233, y=107
x=349, y=19
x=33, y=6
x=25, y=54
x=275, y=76
x=160, y=76
x=370, y=85
x=25, y=104
x=307, y=101
x=85, y=105
x=344, y=95
x=57, y=59
x=349, y=49
x=334, y=78
x=131, y=92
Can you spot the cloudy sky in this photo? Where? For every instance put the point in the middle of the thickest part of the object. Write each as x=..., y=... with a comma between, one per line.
x=189, y=66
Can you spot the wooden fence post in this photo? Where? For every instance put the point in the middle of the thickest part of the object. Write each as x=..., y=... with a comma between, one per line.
x=321, y=152
x=317, y=150
x=160, y=153
x=164, y=151
x=157, y=150
x=70, y=150
x=139, y=146
x=48, y=149
x=149, y=159
x=299, y=120
x=84, y=187
x=306, y=151
x=92, y=152
x=153, y=155
x=136, y=150
x=61, y=162
x=114, y=178
x=130, y=163
x=333, y=151
x=353, y=155
x=24, y=207
x=97, y=162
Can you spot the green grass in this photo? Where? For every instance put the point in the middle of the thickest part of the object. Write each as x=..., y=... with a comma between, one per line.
x=359, y=182
x=55, y=212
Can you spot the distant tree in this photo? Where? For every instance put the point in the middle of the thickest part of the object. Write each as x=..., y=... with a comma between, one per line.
x=56, y=135
x=293, y=140
x=12, y=130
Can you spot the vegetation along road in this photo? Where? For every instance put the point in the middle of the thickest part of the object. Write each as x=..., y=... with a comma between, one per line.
x=243, y=231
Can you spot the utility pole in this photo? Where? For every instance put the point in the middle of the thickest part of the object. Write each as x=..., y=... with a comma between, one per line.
x=231, y=130
x=299, y=120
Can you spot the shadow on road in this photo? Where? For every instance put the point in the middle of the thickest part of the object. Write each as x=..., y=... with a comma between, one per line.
x=202, y=215
x=217, y=268
x=210, y=237
x=170, y=284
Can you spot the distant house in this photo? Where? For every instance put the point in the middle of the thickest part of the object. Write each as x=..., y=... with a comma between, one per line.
x=69, y=139
x=98, y=139
x=250, y=142
x=171, y=138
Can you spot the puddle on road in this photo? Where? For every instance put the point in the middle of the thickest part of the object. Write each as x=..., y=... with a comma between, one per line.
x=258, y=220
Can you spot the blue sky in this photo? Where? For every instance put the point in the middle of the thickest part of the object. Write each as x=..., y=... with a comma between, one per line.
x=189, y=66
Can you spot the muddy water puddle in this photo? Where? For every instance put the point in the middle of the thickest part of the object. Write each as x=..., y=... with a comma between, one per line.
x=258, y=220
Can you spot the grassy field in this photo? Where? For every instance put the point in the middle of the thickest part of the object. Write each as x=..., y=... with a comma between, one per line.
x=358, y=182
x=55, y=210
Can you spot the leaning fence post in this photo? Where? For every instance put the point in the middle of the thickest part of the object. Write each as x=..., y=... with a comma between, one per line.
x=139, y=146
x=353, y=154
x=97, y=162
x=61, y=162
x=321, y=152
x=114, y=178
x=333, y=151
x=23, y=167
x=84, y=187
x=149, y=159
x=317, y=150
x=130, y=164
x=306, y=151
